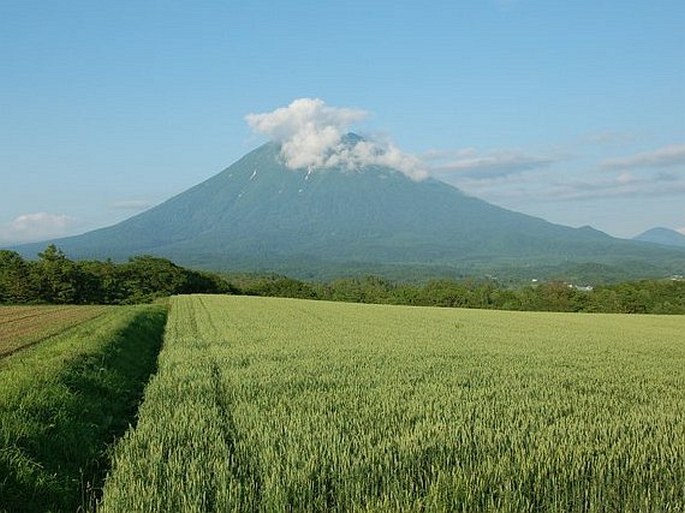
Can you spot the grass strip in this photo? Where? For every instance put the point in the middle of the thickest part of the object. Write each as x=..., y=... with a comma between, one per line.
x=65, y=401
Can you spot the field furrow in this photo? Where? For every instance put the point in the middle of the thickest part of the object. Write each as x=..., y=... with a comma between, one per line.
x=10, y=314
x=23, y=326
x=265, y=404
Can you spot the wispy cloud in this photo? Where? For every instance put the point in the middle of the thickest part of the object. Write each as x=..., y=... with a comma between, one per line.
x=609, y=137
x=35, y=227
x=311, y=135
x=503, y=175
x=468, y=163
x=132, y=204
x=623, y=185
x=553, y=185
x=665, y=156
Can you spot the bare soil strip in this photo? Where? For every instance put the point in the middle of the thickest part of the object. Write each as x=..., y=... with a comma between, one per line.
x=22, y=327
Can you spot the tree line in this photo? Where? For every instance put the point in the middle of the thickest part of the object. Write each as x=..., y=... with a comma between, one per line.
x=54, y=278
x=647, y=296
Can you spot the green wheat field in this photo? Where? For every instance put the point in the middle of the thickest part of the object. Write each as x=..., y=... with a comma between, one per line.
x=264, y=404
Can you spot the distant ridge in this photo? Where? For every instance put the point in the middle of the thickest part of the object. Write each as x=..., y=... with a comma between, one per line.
x=259, y=215
x=663, y=236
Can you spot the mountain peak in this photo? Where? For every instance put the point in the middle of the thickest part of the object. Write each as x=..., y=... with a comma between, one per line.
x=351, y=138
x=663, y=236
x=260, y=213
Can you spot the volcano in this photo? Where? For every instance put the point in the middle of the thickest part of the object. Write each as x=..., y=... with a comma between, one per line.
x=259, y=215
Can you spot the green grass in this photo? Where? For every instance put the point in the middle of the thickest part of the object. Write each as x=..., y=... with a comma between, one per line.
x=65, y=400
x=264, y=404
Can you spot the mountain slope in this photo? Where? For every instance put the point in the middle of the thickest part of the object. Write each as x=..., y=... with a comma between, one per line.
x=258, y=214
x=663, y=236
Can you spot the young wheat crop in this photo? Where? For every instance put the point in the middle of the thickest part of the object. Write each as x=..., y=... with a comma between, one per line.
x=264, y=404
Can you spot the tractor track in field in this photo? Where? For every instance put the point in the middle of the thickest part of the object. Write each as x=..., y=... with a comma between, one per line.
x=46, y=313
x=30, y=342
x=11, y=315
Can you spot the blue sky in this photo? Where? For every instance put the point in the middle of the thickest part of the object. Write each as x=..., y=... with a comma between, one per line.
x=571, y=111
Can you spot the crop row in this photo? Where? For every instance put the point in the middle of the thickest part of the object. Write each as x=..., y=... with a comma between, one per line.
x=284, y=405
x=21, y=326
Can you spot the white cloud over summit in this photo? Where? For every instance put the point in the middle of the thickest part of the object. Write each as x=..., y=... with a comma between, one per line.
x=311, y=135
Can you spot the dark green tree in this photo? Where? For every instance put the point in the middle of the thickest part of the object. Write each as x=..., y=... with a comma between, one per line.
x=275, y=285
x=103, y=282
x=148, y=277
x=59, y=279
x=17, y=284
